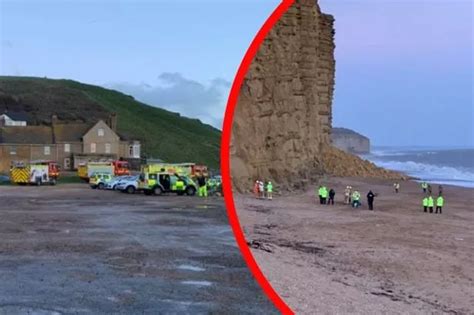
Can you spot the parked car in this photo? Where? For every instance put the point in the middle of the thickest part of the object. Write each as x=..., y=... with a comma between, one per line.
x=113, y=183
x=4, y=179
x=214, y=186
x=129, y=185
x=99, y=180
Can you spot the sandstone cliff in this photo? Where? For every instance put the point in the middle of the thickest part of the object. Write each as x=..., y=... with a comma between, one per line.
x=282, y=122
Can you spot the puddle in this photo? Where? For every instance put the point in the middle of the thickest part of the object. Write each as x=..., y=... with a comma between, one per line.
x=198, y=283
x=205, y=207
x=112, y=298
x=18, y=309
x=46, y=230
x=191, y=268
x=184, y=303
x=171, y=208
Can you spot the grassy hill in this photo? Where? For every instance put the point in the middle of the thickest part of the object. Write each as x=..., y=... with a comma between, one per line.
x=164, y=134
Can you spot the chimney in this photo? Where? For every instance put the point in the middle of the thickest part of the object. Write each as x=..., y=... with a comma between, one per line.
x=54, y=122
x=113, y=121
x=54, y=119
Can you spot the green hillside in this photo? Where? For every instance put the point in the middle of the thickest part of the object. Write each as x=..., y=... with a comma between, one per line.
x=164, y=134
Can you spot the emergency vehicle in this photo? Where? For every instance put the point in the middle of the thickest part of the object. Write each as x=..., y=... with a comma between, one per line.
x=214, y=186
x=117, y=168
x=99, y=180
x=158, y=183
x=35, y=172
x=121, y=168
x=200, y=170
x=189, y=169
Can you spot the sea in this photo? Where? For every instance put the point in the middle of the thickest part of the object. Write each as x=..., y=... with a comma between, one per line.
x=449, y=166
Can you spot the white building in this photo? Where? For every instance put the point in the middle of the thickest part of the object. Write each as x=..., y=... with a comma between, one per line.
x=12, y=119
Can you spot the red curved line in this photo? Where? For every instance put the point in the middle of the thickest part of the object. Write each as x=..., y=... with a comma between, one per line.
x=225, y=156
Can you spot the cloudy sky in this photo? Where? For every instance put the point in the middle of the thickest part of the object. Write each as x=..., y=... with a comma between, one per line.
x=403, y=77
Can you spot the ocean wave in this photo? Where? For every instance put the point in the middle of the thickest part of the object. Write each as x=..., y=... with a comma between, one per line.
x=430, y=172
x=376, y=153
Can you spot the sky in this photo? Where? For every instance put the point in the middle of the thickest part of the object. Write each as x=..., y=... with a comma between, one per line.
x=403, y=67
x=404, y=70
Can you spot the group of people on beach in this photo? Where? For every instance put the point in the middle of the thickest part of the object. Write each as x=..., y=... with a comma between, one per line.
x=351, y=197
x=428, y=200
x=262, y=190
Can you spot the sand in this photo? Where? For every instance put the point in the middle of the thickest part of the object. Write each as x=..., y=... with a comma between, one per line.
x=325, y=259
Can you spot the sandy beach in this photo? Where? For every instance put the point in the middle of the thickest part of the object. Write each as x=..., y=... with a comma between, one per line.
x=325, y=259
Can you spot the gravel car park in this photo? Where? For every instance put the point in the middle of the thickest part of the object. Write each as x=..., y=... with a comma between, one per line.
x=69, y=249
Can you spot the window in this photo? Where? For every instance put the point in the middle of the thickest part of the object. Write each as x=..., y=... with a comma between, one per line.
x=47, y=150
x=100, y=132
x=93, y=147
x=173, y=179
x=134, y=151
x=67, y=147
x=12, y=150
x=107, y=148
x=67, y=163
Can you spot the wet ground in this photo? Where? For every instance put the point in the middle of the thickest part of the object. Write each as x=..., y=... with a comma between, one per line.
x=73, y=250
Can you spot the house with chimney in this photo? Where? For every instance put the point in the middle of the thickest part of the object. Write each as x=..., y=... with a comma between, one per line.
x=69, y=144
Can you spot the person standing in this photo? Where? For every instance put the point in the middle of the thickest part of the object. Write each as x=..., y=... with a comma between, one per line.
x=332, y=193
x=440, y=190
x=397, y=187
x=430, y=203
x=424, y=186
x=261, y=189
x=320, y=193
x=439, y=204
x=425, y=204
x=325, y=195
x=269, y=190
x=256, y=191
x=202, y=186
x=370, y=200
x=355, y=199
x=347, y=195
x=429, y=189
